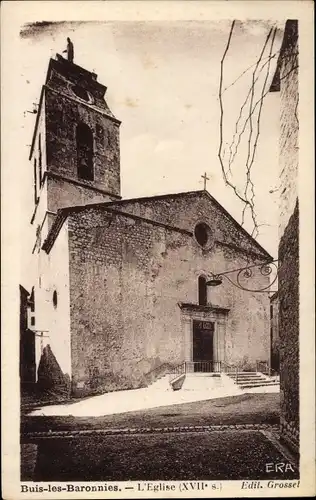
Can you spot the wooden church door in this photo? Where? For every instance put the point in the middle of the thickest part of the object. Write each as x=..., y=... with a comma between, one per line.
x=203, y=334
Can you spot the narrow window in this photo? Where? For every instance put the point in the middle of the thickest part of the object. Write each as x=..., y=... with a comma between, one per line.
x=35, y=182
x=202, y=291
x=100, y=134
x=84, y=139
x=32, y=300
x=38, y=236
x=55, y=299
x=40, y=159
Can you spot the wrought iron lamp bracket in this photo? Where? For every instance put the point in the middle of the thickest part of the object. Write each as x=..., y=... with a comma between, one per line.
x=265, y=269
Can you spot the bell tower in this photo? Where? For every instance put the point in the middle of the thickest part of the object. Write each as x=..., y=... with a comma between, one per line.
x=75, y=148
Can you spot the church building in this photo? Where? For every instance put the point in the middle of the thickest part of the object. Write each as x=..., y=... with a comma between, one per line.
x=121, y=284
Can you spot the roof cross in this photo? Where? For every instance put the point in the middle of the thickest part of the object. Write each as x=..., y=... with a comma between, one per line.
x=205, y=179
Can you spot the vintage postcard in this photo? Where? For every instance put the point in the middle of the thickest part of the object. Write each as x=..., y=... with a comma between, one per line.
x=157, y=202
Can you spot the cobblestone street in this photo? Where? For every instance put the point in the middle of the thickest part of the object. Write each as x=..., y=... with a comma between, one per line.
x=227, y=454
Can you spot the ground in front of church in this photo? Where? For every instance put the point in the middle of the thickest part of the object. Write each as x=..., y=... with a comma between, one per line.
x=224, y=452
x=243, y=409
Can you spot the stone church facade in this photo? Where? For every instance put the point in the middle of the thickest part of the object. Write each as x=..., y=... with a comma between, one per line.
x=121, y=287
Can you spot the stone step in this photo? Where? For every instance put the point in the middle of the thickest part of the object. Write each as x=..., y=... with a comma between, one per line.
x=257, y=384
x=250, y=381
x=248, y=378
x=244, y=373
x=250, y=386
x=193, y=383
x=252, y=378
x=162, y=382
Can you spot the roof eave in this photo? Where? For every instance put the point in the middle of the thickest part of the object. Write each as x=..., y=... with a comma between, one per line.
x=240, y=228
x=276, y=83
x=37, y=121
x=190, y=193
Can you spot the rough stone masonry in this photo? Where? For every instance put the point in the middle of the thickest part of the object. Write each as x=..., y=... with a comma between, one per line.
x=286, y=81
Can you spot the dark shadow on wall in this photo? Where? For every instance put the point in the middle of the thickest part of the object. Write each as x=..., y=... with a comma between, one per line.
x=27, y=358
x=52, y=381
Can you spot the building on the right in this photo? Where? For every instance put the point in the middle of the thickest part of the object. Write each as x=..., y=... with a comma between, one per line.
x=274, y=333
x=286, y=82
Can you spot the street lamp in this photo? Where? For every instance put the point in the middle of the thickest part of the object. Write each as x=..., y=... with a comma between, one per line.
x=214, y=281
x=247, y=272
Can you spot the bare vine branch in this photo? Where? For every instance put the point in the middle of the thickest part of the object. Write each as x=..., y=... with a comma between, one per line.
x=248, y=165
x=255, y=107
x=244, y=72
x=231, y=155
x=258, y=121
x=227, y=182
x=253, y=128
x=250, y=93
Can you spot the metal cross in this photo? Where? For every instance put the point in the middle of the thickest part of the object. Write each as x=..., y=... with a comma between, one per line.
x=205, y=179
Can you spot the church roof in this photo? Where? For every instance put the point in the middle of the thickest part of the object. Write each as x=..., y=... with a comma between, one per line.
x=24, y=291
x=195, y=193
x=64, y=212
x=115, y=206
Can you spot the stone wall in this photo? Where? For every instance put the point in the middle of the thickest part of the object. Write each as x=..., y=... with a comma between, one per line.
x=127, y=277
x=289, y=126
x=37, y=172
x=62, y=117
x=289, y=330
x=186, y=210
x=53, y=316
x=289, y=237
x=54, y=145
x=58, y=300
x=274, y=332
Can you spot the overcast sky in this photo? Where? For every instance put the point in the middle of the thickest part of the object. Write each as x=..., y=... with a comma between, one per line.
x=163, y=83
